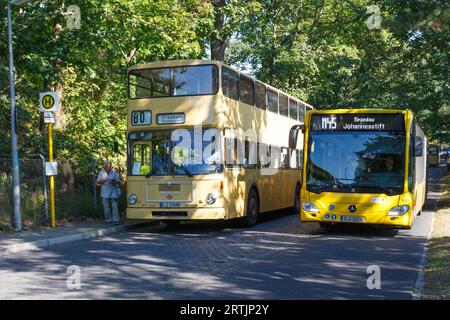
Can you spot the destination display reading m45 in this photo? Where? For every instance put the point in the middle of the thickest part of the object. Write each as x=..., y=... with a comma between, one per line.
x=357, y=122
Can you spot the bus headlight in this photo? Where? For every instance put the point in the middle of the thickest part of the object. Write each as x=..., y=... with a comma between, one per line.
x=132, y=199
x=211, y=198
x=310, y=207
x=398, y=210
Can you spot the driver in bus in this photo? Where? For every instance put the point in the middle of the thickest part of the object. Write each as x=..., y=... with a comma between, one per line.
x=390, y=164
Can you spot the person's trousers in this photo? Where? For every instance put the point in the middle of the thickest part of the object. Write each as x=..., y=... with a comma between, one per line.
x=107, y=203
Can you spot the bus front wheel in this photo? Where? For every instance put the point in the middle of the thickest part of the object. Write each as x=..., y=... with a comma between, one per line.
x=252, y=209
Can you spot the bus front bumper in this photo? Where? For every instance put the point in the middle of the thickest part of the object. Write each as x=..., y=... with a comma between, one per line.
x=376, y=218
x=176, y=214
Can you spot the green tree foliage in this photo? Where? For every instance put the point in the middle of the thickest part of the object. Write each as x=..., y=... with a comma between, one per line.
x=324, y=52
x=320, y=50
x=88, y=65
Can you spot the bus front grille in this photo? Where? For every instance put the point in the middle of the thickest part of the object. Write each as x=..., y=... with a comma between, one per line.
x=169, y=213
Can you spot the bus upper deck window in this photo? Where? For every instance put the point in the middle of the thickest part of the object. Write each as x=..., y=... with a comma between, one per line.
x=194, y=80
x=283, y=105
x=301, y=112
x=293, y=112
x=260, y=95
x=246, y=90
x=148, y=83
x=230, y=83
x=272, y=101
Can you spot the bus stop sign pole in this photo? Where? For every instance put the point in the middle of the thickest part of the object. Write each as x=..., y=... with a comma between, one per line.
x=49, y=106
x=52, y=177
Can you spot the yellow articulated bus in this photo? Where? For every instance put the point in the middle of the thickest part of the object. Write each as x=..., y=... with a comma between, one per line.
x=363, y=166
x=207, y=142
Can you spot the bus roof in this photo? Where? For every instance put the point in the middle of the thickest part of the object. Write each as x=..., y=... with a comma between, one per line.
x=172, y=63
x=193, y=62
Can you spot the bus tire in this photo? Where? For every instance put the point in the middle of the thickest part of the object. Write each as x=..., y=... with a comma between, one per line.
x=297, y=199
x=252, y=213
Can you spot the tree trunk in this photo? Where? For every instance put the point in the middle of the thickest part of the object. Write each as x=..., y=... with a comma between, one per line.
x=219, y=43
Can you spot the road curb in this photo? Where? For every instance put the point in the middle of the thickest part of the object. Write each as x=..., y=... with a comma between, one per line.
x=416, y=293
x=85, y=235
x=419, y=283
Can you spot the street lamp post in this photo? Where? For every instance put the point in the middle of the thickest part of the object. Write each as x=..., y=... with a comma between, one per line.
x=15, y=158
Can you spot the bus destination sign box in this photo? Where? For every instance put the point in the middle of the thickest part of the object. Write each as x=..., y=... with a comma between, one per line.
x=358, y=122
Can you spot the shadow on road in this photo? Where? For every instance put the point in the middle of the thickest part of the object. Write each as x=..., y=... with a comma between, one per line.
x=209, y=227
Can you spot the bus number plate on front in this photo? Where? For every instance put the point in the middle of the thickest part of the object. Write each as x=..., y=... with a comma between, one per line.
x=169, y=205
x=351, y=219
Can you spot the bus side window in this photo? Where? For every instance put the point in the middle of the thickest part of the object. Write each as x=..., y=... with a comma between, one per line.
x=293, y=163
x=250, y=153
x=247, y=90
x=301, y=112
x=272, y=100
x=263, y=155
x=284, y=158
x=230, y=83
x=230, y=151
x=283, y=106
x=293, y=109
x=260, y=96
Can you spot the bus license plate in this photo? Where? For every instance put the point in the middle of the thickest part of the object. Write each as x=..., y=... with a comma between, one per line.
x=352, y=219
x=169, y=205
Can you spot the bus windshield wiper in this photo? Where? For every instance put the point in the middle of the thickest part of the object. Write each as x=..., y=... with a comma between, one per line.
x=150, y=173
x=320, y=188
x=386, y=190
x=186, y=170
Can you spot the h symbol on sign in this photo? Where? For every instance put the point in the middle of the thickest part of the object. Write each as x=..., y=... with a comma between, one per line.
x=48, y=101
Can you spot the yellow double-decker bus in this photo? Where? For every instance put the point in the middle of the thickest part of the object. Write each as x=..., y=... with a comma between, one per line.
x=363, y=166
x=207, y=142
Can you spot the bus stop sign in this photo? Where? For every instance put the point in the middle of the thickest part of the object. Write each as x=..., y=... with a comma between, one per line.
x=48, y=101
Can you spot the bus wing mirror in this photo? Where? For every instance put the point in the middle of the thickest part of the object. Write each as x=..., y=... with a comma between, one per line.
x=418, y=146
x=293, y=135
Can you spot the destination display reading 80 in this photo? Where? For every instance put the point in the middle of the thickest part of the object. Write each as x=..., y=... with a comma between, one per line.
x=357, y=122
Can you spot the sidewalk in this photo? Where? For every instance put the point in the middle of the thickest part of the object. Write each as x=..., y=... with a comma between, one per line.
x=46, y=237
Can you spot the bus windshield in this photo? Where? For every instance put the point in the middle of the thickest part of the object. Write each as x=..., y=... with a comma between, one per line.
x=155, y=153
x=173, y=81
x=366, y=162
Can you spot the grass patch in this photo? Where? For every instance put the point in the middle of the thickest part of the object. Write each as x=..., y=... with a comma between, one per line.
x=437, y=271
x=5, y=228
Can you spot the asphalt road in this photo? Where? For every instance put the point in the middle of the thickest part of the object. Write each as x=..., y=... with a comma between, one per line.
x=280, y=258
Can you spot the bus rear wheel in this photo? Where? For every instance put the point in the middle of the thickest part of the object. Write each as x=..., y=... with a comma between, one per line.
x=252, y=209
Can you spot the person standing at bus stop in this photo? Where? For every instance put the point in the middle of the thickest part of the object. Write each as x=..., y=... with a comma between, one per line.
x=110, y=192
